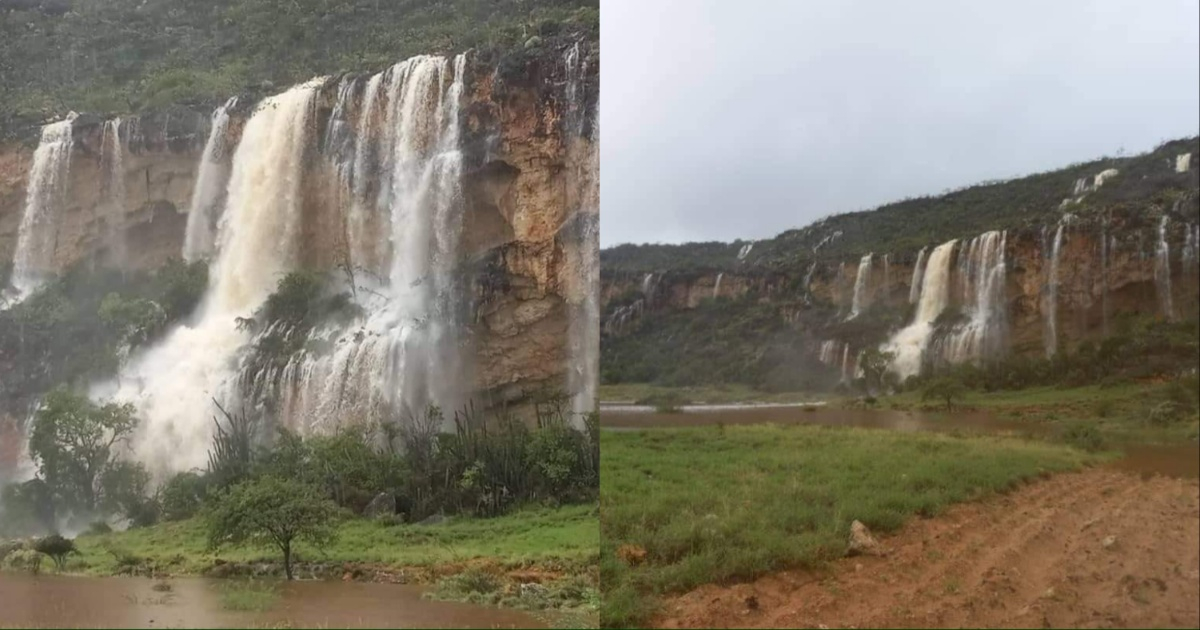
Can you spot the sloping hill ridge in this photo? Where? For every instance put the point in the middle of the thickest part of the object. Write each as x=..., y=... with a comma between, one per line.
x=1038, y=265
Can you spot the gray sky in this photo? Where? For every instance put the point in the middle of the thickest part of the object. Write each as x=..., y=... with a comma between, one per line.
x=724, y=119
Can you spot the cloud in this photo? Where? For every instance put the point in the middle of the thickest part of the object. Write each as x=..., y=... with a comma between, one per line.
x=723, y=120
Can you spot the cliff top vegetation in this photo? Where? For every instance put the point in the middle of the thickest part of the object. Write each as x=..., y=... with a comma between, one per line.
x=125, y=56
x=905, y=226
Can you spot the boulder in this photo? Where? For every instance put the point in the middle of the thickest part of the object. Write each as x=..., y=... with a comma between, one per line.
x=384, y=504
x=862, y=542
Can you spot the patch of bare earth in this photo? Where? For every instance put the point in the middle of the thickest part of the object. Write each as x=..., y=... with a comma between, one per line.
x=1093, y=549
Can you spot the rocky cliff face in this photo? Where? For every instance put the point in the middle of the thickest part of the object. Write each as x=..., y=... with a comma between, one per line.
x=1135, y=257
x=528, y=196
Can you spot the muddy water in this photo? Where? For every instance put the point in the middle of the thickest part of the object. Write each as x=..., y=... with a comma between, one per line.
x=50, y=601
x=1172, y=461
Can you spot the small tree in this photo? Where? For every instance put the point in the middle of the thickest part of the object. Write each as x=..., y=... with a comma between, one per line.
x=274, y=512
x=874, y=364
x=944, y=388
x=57, y=548
x=72, y=442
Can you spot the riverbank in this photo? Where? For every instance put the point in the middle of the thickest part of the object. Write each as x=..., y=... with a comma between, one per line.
x=1122, y=413
x=773, y=497
x=647, y=394
x=554, y=550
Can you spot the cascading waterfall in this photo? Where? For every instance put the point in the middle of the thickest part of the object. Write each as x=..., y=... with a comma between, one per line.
x=112, y=163
x=1162, y=271
x=173, y=383
x=403, y=355
x=745, y=251
x=983, y=302
x=44, y=197
x=1051, y=328
x=910, y=343
x=717, y=286
x=1183, y=162
x=861, y=281
x=828, y=354
x=914, y=287
x=209, y=191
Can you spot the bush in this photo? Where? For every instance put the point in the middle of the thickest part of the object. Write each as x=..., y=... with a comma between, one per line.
x=182, y=496
x=1083, y=436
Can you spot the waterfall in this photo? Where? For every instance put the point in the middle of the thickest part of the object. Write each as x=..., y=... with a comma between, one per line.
x=1051, y=330
x=984, y=302
x=1183, y=162
x=209, y=190
x=112, y=163
x=717, y=286
x=887, y=274
x=1104, y=274
x=1162, y=271
x=861, y=280
x=846, y=363
x=828, y=355
x=745, y=251
x=909, y=344
x=46, y=192
x=172, y=384
x=584, y=328
x=914, y=287
x=402, y=355
x=1191, y=250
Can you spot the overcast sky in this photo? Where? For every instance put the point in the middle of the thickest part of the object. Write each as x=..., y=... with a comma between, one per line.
x=730, y=119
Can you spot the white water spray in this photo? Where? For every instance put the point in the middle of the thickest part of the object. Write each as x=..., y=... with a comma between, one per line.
x=173, y=383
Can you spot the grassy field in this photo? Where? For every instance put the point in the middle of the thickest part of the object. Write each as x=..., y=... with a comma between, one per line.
x=1121, y=413
x=565, y=537
x=725, y=503
x=715, y=394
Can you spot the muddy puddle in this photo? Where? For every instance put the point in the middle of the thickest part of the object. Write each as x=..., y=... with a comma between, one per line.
x=52, y=601
x=1181, y=461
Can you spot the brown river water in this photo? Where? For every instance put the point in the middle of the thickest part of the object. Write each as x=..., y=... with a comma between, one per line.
x=1173, y=461
x=53, y=601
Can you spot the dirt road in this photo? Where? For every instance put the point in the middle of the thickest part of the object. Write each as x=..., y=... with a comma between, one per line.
x=1093, y=549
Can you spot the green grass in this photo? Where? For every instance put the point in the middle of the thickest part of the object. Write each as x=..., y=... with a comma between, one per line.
x=564, y=536
x=1118, y=414
x=248, y=595
x=714, y=394
x=718, y=504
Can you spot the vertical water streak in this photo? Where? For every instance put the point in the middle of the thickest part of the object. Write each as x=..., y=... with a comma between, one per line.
x=209, y=191
x=914, y=287
x=717, y=286
x=583, y=370
x=1162, y=271
x=1104, y=274
x=1051, y=325
x=1183, y=162
x=112, y=159
x=45, y=194
x=862, y=280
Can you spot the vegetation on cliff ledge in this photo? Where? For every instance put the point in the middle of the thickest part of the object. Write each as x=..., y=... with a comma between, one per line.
x=122, y=56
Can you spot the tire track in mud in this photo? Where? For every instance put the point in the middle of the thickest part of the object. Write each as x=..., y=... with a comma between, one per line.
x=1098, y=548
